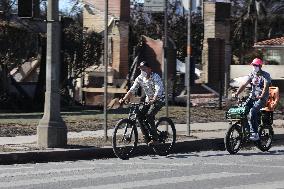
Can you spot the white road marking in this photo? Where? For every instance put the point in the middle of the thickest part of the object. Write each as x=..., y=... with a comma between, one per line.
x=144, y=163
x=14, y=168
x=47, y=171
x=246, y=165
x=171, y=180
x=44, y=180
x=265, y=185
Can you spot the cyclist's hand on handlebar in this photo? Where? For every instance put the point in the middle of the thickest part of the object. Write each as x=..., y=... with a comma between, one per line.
x=234, y=95
x=121, y=101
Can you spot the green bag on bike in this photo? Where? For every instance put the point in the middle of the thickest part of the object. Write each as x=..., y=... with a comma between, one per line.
x=237, y=112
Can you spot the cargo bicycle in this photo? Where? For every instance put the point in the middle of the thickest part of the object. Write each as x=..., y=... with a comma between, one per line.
x=238, y=132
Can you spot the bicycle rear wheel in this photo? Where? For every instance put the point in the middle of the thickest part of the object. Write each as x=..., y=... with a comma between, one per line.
x=124, y=138
x=265, y=138
x=166, y=136
x=233, y=139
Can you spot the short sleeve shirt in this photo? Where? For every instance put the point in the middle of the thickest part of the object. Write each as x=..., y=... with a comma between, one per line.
x=152, y=86
x=257, y=82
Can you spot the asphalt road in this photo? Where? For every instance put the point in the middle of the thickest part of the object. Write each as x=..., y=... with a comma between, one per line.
x=202, y=170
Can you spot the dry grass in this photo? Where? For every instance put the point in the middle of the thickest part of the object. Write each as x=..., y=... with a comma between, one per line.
x=15, y=124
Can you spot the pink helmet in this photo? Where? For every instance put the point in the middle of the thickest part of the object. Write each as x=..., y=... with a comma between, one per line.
x=257, y=62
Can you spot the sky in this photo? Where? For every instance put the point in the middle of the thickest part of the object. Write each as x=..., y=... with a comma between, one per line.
x=64, y=4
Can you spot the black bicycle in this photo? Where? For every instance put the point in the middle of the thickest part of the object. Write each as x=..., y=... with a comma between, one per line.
x=125, y=134
x=238, y=132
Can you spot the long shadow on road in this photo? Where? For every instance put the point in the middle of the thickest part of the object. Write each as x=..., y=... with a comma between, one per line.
x=81, y=152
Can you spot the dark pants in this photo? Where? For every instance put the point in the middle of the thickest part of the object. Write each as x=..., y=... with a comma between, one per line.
x=148, y=112
x=254, y=105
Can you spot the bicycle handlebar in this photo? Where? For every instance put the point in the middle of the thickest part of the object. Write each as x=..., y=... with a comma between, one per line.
x=139, y=103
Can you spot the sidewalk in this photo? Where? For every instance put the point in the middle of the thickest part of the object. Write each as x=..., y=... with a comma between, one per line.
x=204, y=136
x=196, y=128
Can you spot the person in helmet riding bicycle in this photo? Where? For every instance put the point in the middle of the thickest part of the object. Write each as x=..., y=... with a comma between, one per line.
x=155, y=97
x=260, y=82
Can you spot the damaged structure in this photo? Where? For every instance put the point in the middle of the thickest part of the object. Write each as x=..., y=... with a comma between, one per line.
x=118, y=32
x=18, y=83
x=120, y=70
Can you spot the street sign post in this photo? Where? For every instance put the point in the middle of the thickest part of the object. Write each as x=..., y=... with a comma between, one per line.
x=166, y=57
x=106, y=68
x=187, y=6
x=154, y=5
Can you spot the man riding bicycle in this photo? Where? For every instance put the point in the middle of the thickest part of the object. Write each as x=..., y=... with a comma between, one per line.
x=260, y=82
x=155, y=98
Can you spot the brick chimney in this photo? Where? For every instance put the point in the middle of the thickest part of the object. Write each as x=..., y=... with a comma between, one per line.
x=216, y=25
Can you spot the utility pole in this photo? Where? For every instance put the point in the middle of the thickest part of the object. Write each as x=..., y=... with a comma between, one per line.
x=106, y=68
x=188, y=66
x=165, y=56
x=52, y=131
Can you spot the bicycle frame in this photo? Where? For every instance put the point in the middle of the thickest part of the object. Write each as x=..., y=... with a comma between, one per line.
x=124, y=146
x=133, y=115
x=265, y=119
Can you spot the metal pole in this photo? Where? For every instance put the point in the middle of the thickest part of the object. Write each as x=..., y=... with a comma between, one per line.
x=52, y=131
x=165, y=56
x=188, y=66
x=106, y=68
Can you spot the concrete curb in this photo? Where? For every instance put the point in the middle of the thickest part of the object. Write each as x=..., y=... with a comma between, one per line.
x=106, y=152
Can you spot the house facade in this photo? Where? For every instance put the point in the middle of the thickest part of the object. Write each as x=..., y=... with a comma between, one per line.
x=273, y=51
x=118, y=28
x=90, y=87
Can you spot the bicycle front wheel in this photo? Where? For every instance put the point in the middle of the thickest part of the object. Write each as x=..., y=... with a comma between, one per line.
x=166, y=136
x=233, y=139
x=124, y=138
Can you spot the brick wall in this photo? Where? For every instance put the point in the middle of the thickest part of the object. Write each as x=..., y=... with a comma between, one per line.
x=94, y=22
x=119, y=40
x=118, y=8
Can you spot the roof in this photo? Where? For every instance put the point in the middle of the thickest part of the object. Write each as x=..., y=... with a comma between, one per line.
x=271, y=42
x=24, y=71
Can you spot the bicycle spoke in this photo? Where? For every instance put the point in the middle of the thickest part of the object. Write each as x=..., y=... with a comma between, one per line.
x=125, y=138
x=166, y=136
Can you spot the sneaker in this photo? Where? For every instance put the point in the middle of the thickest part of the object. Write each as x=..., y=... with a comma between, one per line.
x=254, y=136
x=146, y=139
x=153, y=142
